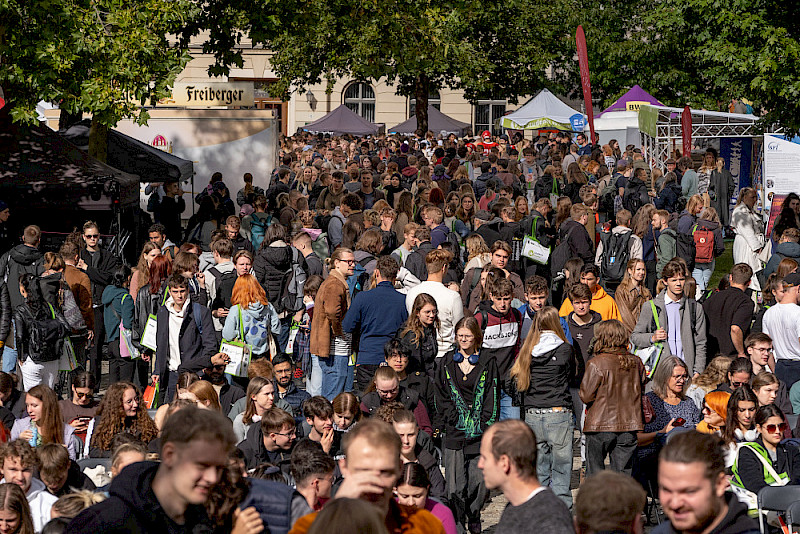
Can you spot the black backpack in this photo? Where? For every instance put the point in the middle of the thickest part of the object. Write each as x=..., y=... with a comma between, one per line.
x=45, y=336
x=224, y=283
x=632, y=198
x=561, y=254
x=686, y=248
x=616, y=253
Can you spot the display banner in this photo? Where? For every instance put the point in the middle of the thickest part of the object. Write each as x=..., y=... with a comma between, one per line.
x=583, y=62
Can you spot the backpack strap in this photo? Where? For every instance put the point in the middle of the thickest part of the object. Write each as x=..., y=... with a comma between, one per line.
x=655, y=313
x=365, y=261
x=197, y=311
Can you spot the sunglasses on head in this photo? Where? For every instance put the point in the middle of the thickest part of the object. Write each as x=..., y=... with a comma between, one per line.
x=772, y=428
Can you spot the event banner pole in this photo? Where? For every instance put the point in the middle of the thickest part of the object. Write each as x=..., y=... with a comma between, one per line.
x=583, y=62
x=686, y=131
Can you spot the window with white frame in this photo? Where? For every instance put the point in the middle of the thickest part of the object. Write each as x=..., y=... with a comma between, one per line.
x=360, y=97
x=487, y=114
x=434, y=99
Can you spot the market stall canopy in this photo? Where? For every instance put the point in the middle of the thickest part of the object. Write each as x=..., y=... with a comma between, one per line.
x=545, y=110
x=630, y=101
x=343, y=120
x=133, y=156
x=41, y=170
x=438, y=122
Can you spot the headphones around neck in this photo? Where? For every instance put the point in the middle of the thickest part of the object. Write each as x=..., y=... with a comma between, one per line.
x=458, y=358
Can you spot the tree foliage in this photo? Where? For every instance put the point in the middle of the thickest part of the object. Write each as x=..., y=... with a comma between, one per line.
x=696, y=52
x=493, y=49
x=104, y=57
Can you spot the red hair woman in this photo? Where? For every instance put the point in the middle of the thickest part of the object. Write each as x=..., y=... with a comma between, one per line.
x=251, y=315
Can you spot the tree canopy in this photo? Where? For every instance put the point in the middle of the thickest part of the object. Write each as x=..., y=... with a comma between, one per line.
x=492, y=49
x=104, y=57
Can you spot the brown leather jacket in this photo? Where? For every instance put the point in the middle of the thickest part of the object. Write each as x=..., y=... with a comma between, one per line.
x=629, y=303
x=330, y=305
x=613, y=396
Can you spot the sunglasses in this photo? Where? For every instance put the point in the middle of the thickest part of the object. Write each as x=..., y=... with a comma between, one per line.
x=772, y=428
x=737, y=384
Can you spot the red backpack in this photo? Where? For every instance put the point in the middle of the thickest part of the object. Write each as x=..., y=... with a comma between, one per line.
x=703, y=244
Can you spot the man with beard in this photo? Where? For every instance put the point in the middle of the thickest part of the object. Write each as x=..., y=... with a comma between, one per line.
x=228, y=393
x=283, y=367
x=691, y=487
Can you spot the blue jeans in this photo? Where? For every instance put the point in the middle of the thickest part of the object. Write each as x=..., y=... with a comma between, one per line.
x=335, y=375
x=702, y=275
x=788, y=371
x=314, y=380
x=507, y=411
x=10, y=354
x=553, y=431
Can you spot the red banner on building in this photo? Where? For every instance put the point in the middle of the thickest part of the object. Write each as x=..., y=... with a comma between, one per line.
x=686, y=131
x=583, y=63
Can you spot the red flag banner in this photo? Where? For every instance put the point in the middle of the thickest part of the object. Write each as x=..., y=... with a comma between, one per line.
x=583, y=63
x=686, y=131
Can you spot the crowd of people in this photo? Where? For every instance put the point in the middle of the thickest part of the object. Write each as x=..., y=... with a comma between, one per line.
x=409, y=322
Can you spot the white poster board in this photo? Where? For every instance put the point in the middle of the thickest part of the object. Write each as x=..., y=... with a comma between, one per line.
x=781, y=168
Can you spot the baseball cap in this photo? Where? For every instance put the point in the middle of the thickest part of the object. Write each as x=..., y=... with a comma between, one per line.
x=792, y=279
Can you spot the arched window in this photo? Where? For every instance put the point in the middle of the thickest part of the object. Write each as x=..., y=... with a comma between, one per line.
x=360, y=97
x=434, y=99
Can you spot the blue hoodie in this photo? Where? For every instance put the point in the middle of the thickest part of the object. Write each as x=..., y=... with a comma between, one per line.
x=116, y=299
x=258, y=320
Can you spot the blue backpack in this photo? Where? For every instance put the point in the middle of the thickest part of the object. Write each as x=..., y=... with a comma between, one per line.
x=359, y=280
x=258, y=227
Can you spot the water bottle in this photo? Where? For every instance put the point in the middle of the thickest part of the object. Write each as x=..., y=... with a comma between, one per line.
x=35, y=435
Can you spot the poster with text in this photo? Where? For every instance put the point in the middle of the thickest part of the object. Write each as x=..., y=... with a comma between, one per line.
x=737, y=153
x=781, y=168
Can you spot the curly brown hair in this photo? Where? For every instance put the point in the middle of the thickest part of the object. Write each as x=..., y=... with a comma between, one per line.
x=112, y=418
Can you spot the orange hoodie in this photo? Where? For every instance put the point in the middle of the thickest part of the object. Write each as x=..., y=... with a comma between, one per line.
x=602, y=303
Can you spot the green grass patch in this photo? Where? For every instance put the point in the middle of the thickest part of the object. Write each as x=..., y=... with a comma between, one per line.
x=723, y=265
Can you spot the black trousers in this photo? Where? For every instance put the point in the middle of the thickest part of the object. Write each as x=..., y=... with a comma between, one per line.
x=651, y=277
x=96, y=351
x=619, y=446
x=119, y=369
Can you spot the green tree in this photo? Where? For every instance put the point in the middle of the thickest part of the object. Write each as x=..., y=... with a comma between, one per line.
x=104, y=57
x=489, y=49
x=696, y=52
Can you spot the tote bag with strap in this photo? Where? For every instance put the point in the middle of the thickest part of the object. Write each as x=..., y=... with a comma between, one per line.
x=651, y=355
x=532, y=249
x=238, y=351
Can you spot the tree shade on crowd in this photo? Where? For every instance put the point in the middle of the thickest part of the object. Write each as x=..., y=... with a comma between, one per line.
x=41, y=170
x=438, y=122
x=133, y=156
x=343, y=120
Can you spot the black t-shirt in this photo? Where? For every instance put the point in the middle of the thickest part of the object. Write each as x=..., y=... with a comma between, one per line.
x=723, y=309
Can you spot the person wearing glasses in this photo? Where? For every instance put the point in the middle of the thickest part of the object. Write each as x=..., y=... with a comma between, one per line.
x=765, y=461
x=740, y=373
x=329, y=342
x=715, y=412
x=670, y=408
x=271, y=440
x=99, y=265
x=81, y=407
x=387, y=389
x=467, y=395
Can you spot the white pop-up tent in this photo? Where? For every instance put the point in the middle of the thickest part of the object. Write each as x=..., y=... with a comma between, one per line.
x=545, y=110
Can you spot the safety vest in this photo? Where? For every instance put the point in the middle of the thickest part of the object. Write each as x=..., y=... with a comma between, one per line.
x=771, y=477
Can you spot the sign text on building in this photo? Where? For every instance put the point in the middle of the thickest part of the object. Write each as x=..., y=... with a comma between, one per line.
x=209, y=94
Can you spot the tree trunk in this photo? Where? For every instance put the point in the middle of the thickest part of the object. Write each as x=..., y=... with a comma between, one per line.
x=98, y=141
x=422, y=87
x=67, y=119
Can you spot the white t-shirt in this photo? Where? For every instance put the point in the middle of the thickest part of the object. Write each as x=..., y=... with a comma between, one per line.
x=451, y=310
x=782, y=324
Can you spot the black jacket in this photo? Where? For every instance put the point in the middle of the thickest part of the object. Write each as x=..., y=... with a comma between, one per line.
x=579, y=240
x=483, y=381
x=551, y=373
x=20, y=260
x=101, y=275
x=196, y=349
x=76, y=480
x=423, y=386
x=6, y=312
x=751, y=470
x=146, y=304
x=255, y=453
x=132, y=508
x=271, y=265
x=23, y=317
x=423, y=353
x=415, y=263
x=736, y=521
